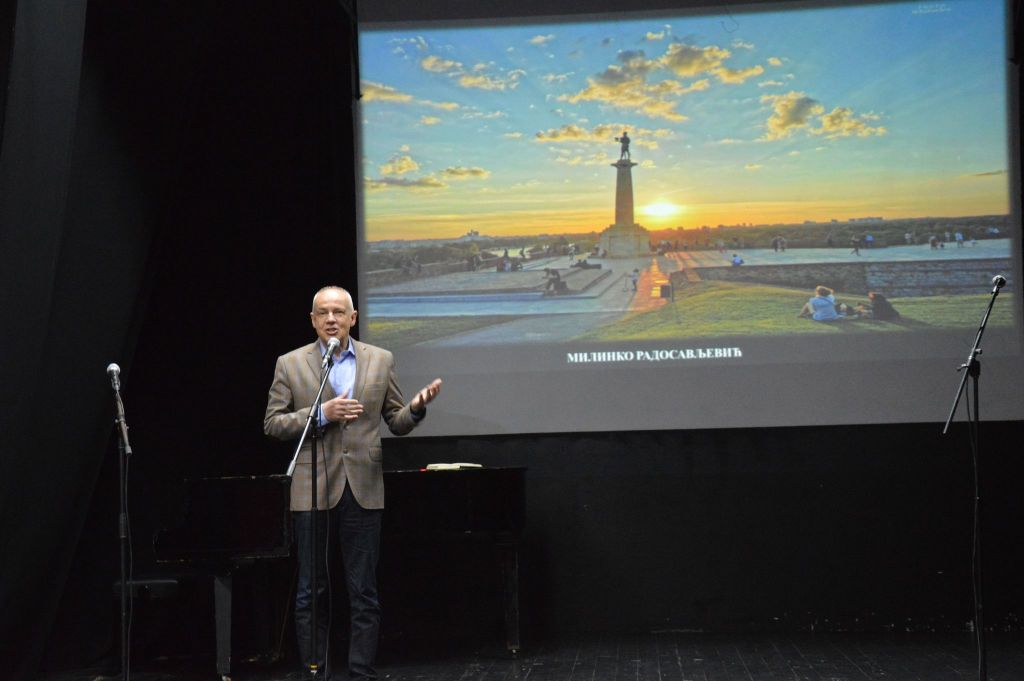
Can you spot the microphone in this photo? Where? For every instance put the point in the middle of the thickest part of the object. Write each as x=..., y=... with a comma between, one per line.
x=332, y=345
x=998, y=282
x=114, y=372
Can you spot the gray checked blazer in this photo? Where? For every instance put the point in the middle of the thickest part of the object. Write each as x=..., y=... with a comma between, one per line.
x=352, y=450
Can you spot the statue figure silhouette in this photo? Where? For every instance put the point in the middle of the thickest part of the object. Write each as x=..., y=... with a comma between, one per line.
x=624, y=140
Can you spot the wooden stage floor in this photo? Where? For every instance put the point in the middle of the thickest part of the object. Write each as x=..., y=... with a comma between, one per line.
x=659, y=656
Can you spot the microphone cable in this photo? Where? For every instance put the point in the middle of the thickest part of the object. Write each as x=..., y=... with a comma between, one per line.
x=327, y=546
x=327, y=564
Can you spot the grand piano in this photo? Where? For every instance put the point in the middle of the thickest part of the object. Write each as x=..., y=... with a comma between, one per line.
x=229, y=523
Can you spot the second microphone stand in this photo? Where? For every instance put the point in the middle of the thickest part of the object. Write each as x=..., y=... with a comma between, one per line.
x=972, y=369
x=124, y=455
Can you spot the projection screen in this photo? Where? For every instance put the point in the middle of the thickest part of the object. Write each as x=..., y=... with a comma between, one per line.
x=766, y=215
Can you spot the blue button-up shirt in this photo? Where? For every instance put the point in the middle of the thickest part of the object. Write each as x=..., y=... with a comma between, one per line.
x=343, y=374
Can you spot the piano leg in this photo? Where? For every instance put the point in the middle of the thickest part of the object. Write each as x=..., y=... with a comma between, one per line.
x=508, y=558
x=222, y=614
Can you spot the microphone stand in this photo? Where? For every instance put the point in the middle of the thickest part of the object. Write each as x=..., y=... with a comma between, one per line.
x=972, y=369
x=125, y=452
x=314, y=410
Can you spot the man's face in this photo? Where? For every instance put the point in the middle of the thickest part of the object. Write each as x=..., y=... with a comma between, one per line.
x=333, y=316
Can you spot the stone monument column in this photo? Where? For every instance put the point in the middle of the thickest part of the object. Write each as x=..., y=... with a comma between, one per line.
x=624, y=192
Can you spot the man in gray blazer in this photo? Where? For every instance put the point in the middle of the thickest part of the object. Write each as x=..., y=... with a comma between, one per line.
x=362, y=389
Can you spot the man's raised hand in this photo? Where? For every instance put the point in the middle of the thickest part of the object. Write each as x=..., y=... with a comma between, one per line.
x=425, y=396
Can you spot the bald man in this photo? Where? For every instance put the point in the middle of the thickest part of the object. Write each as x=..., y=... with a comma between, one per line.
x=361, y=391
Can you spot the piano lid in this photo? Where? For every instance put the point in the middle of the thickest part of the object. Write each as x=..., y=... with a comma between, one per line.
x=468, y=500
x=230, y=520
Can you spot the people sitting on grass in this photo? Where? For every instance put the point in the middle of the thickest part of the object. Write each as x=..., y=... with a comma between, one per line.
x=736, y=260
x=822, y=307
x=878, y=307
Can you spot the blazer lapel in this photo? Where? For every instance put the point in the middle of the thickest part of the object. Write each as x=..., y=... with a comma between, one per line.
x=362, y=362
x=313, y=359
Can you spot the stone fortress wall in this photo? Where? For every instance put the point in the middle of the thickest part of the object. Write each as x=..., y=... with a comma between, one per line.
x=894, y=279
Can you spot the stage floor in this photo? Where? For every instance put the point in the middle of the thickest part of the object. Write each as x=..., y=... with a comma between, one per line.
x=659, y=656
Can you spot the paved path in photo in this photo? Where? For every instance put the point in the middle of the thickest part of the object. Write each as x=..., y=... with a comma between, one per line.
x=649, y=287
x=561, y=319
x=551, y=328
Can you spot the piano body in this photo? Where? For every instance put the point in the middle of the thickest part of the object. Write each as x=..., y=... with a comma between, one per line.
x=231, y=522
x=228, y=523
x=481, y=503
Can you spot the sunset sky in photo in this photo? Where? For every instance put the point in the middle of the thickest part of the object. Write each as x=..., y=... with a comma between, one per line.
x=887, y=110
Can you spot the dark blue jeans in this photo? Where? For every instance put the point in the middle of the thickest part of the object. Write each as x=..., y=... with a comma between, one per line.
x=358, y=533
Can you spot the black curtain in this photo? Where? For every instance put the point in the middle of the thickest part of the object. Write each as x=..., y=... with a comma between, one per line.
x=53, y=420
x=171, y=188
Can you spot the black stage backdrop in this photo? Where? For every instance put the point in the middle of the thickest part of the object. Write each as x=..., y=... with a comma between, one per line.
x=172, y=194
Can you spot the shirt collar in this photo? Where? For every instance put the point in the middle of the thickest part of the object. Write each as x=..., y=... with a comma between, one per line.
x=350, y=350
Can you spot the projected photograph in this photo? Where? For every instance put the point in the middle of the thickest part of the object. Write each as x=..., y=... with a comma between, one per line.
x=762, y=173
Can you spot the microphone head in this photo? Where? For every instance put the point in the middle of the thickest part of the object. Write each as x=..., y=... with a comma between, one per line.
x=114, y=372
x=333, y=345
x=999, y=281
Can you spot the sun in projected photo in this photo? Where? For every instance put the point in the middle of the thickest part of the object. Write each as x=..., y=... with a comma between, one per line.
x=662, y=209
x=663, y=177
